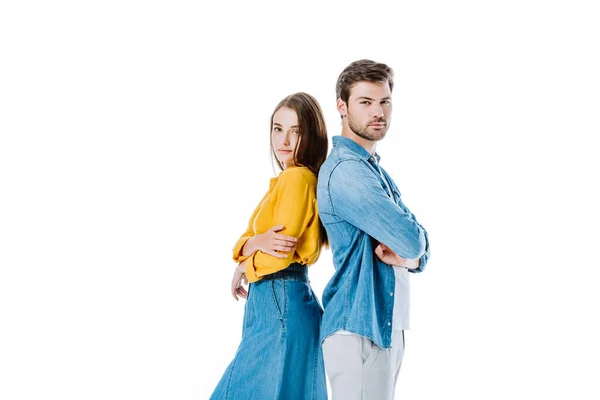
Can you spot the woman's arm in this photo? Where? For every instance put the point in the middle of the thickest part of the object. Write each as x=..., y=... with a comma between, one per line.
x=271, y=242
x=294, y=210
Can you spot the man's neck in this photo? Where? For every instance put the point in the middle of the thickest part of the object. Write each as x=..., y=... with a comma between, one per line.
x=368, y=145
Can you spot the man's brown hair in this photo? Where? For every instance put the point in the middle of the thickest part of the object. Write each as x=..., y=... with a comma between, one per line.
x=362, y=70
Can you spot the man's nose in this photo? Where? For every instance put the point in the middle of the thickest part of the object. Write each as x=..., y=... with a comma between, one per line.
x=377, y=111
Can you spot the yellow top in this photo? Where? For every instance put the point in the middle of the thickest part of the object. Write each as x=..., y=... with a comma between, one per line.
x=292, y=202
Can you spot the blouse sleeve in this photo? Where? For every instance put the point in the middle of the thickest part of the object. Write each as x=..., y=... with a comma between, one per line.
x=239, y=245
x=294, y=209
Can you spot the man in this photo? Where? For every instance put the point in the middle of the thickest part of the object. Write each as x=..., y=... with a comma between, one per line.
x=375, y=241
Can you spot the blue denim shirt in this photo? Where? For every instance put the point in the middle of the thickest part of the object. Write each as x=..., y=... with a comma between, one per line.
x=360, y=207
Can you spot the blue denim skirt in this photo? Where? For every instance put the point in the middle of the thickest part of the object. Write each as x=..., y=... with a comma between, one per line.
x=280, y=356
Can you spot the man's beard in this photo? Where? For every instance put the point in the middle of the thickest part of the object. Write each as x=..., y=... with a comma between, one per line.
x=367, y=132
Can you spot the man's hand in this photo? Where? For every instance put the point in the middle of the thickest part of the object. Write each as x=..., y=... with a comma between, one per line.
x=386, y=255
x=271, y=242
x=239, y=275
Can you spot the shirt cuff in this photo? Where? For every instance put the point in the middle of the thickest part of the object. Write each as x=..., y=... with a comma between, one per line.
x=237, y=249
x=422, y=263
x=250, y=270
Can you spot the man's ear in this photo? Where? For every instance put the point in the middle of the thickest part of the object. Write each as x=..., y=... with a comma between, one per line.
x=342, y=107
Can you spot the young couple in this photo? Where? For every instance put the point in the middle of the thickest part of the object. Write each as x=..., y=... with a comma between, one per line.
x=288, y=341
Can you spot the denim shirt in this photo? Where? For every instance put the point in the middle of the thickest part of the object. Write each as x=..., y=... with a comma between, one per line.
x=360, y=206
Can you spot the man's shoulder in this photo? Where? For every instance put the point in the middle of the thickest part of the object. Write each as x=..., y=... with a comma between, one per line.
x=340, y=156
x=346, y=174
x=344, y=153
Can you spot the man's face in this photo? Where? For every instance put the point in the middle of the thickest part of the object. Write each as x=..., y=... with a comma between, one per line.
x=369, y=109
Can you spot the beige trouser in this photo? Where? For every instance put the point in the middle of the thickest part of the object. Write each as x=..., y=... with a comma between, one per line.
x=358, y=369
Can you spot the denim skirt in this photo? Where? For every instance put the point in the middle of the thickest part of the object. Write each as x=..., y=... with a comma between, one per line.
x=280, y=356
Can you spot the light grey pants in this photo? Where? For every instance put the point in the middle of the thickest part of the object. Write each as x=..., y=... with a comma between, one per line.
x=358, y=369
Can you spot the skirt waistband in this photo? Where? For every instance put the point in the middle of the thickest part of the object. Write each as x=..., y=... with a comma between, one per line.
x=294, y=271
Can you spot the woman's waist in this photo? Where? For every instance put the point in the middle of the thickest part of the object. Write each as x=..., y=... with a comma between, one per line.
x=294, y=271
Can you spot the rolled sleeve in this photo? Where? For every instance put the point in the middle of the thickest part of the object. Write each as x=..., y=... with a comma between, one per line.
x=239, y=245
x=424, y=258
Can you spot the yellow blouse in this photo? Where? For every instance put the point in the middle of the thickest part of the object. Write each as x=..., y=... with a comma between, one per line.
x=292, y=202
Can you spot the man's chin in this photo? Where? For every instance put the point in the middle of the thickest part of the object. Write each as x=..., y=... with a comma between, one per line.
x=371, y=134
x=377, y=135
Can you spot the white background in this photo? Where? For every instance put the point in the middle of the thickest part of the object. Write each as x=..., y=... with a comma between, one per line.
x=134, y=147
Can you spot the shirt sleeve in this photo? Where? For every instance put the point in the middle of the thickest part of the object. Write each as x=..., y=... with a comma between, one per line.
x=294, y=209
x=358, y=197
x=424, y=258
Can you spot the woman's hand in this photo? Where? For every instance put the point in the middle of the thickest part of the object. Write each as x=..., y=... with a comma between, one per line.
x=388, y=256
x=239, y=275
x=271, y=242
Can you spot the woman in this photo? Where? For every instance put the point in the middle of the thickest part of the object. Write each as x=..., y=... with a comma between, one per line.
x=280, y=356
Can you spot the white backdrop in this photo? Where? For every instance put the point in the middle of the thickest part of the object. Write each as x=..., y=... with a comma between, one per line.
x=134, y=147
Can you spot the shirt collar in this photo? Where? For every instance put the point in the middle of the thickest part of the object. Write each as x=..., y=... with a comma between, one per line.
x=355, y=147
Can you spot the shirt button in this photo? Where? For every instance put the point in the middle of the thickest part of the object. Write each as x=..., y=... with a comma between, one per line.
x=389, y=324
x=391, y=293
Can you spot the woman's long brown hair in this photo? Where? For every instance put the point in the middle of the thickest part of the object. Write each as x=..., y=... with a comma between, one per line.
x=312, y=145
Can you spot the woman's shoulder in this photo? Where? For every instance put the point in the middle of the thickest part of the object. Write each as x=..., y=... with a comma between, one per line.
x=298, y=175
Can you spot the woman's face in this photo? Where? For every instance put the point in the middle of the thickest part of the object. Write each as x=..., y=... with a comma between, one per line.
x=285, y=135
